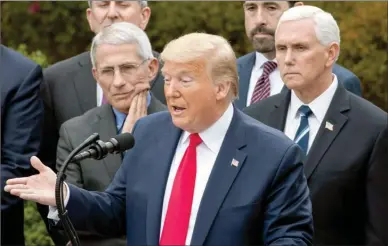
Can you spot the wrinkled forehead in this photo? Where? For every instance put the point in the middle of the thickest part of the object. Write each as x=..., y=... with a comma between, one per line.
x=291, y=31
x=175, y=68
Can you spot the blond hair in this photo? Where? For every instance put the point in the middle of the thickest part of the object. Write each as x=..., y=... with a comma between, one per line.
x=215, y=50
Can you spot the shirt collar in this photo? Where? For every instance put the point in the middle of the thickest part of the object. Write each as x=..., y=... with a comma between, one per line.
x=319, y=105
x=261, y=59
x=120, y=117
x=213, y=136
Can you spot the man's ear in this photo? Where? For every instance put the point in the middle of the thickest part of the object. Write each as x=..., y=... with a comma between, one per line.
x=94, y=72
x=153, y=67
x=223, y=89
x=89, y=18
x=333, y=52
x=145, y=17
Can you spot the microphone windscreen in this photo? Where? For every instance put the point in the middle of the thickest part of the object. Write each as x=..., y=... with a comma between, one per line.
x=126, y=141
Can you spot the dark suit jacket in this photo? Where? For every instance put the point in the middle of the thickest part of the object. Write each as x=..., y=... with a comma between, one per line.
x=91, y=174
x=245, y=65
x=21, y=119
x=346, y=168
x=262, y=200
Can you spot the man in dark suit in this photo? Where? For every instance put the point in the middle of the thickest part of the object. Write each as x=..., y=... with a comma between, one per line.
x=343, y=135
x=118, y=116
x=69, y=89
x=258, y=71
x=195, y=176
x=21, y=119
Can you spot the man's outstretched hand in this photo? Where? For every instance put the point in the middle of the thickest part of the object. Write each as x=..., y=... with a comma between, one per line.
x=38, y=188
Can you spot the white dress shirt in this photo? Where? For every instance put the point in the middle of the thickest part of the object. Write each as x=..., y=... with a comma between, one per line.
x=276, y=82
x=318, y=107
x=99, y=95
x=207, y=153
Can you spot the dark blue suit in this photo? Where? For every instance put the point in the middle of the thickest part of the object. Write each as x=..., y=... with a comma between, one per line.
x=265, y=200
x=245, y=65
x=21, y=117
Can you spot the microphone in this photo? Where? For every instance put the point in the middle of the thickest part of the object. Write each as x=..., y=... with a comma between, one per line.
x=100, y=149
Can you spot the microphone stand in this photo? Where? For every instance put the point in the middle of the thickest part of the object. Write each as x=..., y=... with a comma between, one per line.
x=59, y=199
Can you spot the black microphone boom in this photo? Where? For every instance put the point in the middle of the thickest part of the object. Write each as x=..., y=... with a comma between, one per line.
x=100, y=149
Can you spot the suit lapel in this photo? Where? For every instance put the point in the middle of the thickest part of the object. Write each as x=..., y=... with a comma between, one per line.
x=107, y=129
x=158, y=179
x=325, y=137
x=277, y=117
x=85, y=85
x=245, y=70
x=221, y=178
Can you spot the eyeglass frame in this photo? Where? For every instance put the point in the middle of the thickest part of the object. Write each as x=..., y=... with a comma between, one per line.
x=135, y=67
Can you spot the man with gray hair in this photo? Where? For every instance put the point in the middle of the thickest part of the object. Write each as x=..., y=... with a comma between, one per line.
x=123, y=65
x=258, y=71
x=70, y=89
x=203, y=180
x=343, y=135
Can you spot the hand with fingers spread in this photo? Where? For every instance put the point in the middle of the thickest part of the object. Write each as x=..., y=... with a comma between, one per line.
x=38, y=188
x=137, y=110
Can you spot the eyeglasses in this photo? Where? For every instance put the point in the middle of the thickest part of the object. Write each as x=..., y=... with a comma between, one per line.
x=127, y=71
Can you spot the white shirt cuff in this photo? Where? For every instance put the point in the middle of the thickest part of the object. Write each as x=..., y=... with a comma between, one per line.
x=53, y=211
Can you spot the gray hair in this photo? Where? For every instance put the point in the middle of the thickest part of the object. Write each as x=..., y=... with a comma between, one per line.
x=143, y=3
x=326, y=28
x=122, y=33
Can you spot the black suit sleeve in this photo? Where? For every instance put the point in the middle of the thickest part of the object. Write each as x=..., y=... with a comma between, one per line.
x=288, y=217
x=21, y=131
x=377, y=193
x=47, y=153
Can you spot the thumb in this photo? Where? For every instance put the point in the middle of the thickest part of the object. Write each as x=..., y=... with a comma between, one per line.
x=37, y=164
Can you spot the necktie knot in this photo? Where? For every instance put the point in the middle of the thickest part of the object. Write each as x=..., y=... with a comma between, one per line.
x=269, y=67
x=195, y=140
x=305, y=111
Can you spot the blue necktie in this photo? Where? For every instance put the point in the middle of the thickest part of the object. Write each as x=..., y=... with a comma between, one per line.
x=302, y=135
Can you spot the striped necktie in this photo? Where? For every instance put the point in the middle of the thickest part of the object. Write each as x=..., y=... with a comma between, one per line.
x=263, y=87
x=302, y=134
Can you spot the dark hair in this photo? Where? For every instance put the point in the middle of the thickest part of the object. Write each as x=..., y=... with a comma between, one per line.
x=291, y=3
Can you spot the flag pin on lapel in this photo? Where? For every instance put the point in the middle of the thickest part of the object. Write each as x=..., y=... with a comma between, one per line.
x=329, y=126
x=234, y=163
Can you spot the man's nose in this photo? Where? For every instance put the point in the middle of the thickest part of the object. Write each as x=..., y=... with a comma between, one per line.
x=112, y=11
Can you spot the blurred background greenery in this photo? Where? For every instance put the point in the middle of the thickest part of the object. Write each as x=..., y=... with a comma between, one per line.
x=52, y=31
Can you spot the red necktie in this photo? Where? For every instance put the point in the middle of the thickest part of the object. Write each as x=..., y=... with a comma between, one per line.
x=177, y=219
x=263, y=87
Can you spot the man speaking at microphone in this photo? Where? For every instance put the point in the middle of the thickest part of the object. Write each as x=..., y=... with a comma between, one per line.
x=202, y=174
x=123, y=66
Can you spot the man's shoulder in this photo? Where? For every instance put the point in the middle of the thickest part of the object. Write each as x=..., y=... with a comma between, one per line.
x=15, y=60
x=245, y=58
x=69, y=65
x=343, y=73
x=363, y=110
x=263, y=105
x=87, y=118
x=155, y=120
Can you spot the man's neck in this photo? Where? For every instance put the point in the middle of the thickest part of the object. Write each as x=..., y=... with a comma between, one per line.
x=270, y=55
x=307, y=95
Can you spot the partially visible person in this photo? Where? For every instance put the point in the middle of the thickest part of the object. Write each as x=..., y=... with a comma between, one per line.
x=124, y=66
x=21, y=125
x=69, y=89
x=203, y=173
x=258, y=71
x=343, y=135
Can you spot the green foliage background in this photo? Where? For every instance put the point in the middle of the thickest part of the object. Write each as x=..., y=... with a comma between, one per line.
x=59, y=30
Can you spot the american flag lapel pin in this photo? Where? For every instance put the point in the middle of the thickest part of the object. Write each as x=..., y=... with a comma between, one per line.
x=329, y=126
x=234, y=163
